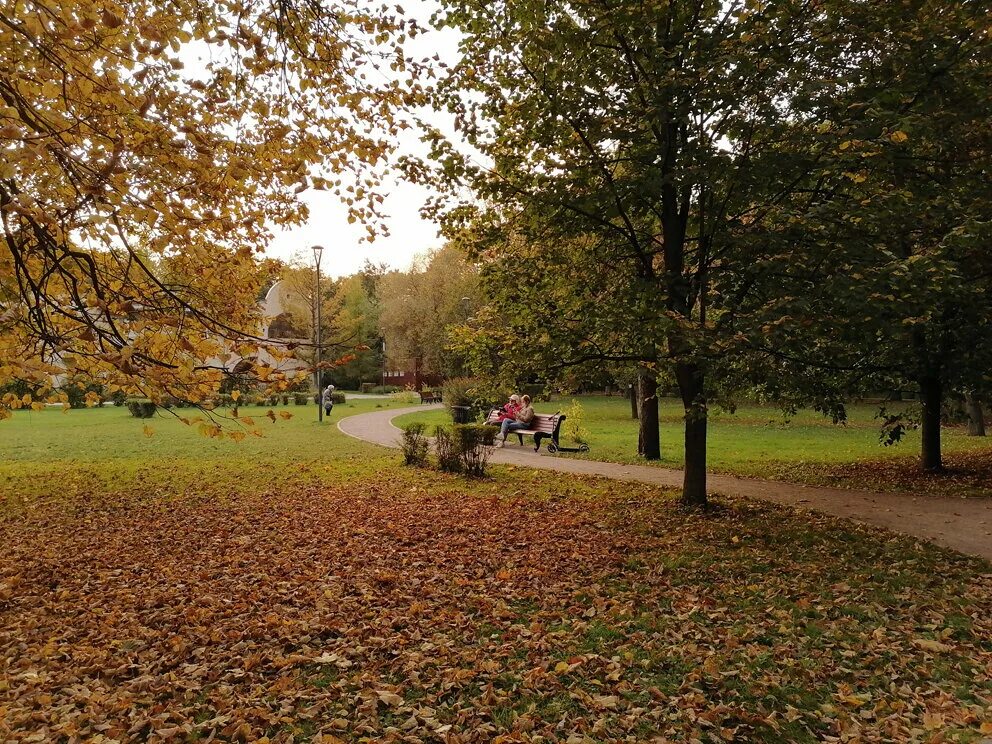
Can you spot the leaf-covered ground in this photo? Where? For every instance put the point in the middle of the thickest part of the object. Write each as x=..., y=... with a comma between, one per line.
x=966, y=474
x=528, y=608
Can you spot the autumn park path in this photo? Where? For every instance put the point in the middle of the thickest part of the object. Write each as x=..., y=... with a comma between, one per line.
x=961, y=524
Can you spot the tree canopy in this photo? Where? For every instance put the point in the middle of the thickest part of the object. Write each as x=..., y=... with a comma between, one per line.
x=681, y=161
x=420, y=308
x=147, y=151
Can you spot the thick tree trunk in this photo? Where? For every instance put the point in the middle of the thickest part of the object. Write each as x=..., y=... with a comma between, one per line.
x=931, y=393
x=632, y=394
x=648, y=434
x=976, y=416
x=690, y=379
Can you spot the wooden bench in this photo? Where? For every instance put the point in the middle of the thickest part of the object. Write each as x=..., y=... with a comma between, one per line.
x=544, y=426
x=430, y=396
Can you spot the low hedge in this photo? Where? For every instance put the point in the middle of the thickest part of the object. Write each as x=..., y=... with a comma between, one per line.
x=141, y=407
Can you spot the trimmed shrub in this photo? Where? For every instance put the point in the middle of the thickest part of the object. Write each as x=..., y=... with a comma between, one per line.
x=414, y=445
x=448, y=458
x=467, y=391
x=337, y=397
x=474, y=443
x=300, y=399
x=141, y=407
x=458, y=391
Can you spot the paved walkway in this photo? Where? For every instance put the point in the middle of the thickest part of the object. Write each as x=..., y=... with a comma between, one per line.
x=962, y=524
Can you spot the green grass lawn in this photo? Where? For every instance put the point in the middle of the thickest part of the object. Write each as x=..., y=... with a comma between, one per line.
x=304, y=587
x=761, y=442
x=106, y=450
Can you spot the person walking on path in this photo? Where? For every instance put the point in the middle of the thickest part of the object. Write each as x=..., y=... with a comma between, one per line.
x=522, y=419
x=327, y=400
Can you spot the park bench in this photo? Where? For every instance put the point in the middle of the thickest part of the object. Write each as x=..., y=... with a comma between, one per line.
x=430, y=396
x=544, y=426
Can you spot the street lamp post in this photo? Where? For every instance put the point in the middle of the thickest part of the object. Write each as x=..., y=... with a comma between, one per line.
x=317, y=251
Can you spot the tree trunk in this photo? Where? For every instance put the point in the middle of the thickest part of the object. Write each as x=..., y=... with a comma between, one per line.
x=690, y=379
x=632, y=394
x=648, y=434
x=976, y=416
x=930, y=395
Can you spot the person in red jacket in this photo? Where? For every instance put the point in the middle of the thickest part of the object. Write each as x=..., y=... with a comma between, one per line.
x=521, y=420
x=509, y=411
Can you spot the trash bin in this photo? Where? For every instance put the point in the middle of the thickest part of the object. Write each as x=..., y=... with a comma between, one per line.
x=460, y=414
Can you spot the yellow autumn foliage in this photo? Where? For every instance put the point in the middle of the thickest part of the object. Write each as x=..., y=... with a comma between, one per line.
x=147, y=150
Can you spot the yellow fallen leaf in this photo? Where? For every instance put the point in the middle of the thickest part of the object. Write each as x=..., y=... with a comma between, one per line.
x=930, y=645
x=711, y=665
x=932, y=721
x=149, y=431
x=853, y=700
x=389, y=698
x=606, y=701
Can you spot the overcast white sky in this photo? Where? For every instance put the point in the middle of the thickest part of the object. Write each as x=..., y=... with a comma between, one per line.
x=409, y=234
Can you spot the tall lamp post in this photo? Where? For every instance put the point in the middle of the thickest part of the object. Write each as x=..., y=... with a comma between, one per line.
x=317, y=251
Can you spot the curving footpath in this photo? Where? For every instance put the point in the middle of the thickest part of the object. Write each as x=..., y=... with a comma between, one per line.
x=961, y=524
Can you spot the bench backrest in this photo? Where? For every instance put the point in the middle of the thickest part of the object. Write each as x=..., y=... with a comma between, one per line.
x=543, y=422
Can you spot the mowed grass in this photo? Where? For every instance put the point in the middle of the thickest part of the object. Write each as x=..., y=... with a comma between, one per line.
x=304, y=587
x=760, y=441
x=106, y=450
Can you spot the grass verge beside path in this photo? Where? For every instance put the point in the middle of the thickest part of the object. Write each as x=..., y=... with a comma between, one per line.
x=760, y=442
x=413, y=606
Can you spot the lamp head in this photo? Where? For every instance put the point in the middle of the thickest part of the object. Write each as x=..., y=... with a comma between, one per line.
x=317, y=251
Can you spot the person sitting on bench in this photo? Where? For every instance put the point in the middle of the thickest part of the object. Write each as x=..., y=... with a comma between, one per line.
x=509, y=411
x=523, y=419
